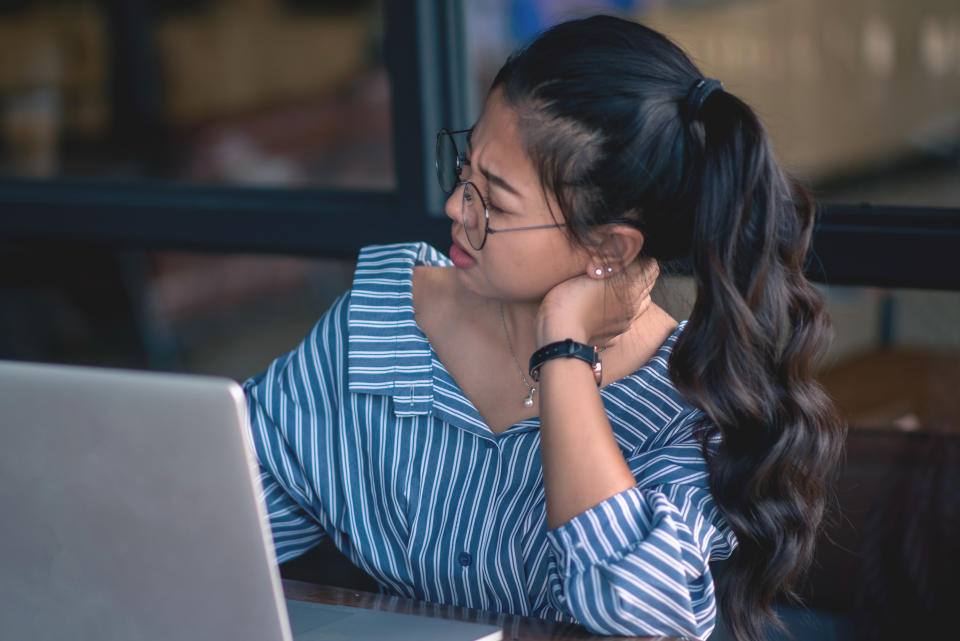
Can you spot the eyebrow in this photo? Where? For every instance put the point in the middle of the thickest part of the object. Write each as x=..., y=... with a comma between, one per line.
x=491, y=177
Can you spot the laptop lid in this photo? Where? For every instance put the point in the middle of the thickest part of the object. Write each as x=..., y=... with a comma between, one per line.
x=128, y=509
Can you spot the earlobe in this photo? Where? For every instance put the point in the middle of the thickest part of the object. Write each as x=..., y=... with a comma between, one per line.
x=619, y=246
x=604, y=272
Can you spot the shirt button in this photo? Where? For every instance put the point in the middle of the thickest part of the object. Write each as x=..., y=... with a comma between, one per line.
x=465, y=559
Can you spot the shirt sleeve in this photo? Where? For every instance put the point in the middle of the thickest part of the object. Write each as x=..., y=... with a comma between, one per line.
x=638, y=562
x=294, y=408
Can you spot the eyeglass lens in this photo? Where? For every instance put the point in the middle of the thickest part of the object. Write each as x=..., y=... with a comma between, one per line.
x=474, y=216
x=447, y=162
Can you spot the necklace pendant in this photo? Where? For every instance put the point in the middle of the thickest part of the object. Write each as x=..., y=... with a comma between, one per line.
x=528, y=401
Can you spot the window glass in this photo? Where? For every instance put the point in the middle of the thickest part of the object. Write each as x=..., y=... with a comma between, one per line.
x=861, y=98
x=244, y=92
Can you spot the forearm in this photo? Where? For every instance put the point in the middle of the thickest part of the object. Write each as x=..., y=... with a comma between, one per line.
x=582, y=464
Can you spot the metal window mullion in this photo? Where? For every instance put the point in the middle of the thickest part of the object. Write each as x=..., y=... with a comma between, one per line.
x=445, y=95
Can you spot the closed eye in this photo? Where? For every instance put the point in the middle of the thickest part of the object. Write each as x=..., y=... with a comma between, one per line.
x=491, y=206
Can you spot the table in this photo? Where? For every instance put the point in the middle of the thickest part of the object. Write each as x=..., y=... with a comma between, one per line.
x=515, y=628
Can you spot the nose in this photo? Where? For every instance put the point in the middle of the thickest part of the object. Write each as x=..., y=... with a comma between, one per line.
x=452, y=207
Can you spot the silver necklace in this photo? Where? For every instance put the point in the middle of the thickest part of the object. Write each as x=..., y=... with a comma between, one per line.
x=528, y=401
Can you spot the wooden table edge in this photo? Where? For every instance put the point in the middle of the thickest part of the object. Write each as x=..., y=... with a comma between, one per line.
x=515, y=627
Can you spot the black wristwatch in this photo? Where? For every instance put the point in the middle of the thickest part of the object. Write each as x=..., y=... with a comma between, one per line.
x=568, y=348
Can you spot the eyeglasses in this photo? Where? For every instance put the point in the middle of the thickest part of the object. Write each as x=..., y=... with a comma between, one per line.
x=473, y=209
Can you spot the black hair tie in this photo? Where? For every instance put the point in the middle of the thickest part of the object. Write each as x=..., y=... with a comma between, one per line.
x=698, y=94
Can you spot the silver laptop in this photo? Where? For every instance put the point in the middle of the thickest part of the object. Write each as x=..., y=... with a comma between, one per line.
x=129, y=510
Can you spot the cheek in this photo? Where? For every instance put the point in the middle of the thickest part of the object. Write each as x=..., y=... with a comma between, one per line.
x=528, y=269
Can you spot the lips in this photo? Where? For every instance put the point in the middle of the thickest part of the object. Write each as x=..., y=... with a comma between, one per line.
x=460, y=257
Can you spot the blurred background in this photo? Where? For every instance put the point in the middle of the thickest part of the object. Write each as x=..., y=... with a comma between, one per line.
x=184, y=185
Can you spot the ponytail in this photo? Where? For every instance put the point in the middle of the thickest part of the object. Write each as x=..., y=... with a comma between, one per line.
x=746, y=356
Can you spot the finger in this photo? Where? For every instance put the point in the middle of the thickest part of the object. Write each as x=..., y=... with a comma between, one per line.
x=643, y=276
x=649, y=271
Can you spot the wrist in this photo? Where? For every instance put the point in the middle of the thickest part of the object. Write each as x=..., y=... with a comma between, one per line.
x=547, y=332
x=567, y=349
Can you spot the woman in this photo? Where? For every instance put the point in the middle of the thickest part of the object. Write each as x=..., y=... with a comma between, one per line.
x=409, y=428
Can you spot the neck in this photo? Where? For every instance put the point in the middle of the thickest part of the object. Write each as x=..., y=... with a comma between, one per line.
x=516, y=324
x=519, y=334
x=519, y=319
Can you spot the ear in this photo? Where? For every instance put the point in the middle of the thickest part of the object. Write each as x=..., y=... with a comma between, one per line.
x=617, y=246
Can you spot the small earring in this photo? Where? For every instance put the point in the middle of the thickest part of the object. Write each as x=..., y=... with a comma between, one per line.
x=598, y=272
x=609, y=269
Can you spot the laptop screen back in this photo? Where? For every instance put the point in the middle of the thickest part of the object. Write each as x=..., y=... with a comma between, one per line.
x=128, y=509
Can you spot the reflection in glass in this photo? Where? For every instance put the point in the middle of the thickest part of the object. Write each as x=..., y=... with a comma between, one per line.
x=267, y=92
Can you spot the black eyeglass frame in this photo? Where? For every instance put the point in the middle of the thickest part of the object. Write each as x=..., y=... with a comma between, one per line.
x=487, y=229
x=459, y=162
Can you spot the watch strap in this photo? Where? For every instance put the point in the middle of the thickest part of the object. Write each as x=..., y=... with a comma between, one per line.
x=568, y=348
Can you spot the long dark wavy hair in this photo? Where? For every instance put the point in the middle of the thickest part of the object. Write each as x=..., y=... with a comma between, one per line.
x=601, y=104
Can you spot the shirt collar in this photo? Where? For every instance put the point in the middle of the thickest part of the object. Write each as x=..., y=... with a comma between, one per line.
x=387, y=353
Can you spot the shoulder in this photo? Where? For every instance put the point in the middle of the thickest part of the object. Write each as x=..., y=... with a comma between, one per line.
x=648, y=394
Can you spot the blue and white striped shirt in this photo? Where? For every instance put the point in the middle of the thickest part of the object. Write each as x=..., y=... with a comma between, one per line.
x=363, y=436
